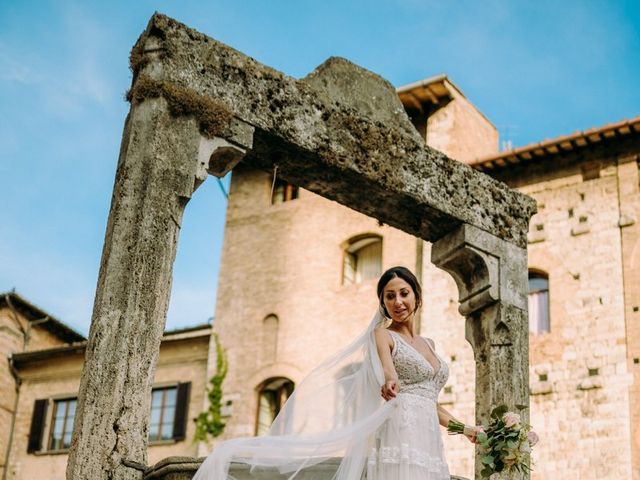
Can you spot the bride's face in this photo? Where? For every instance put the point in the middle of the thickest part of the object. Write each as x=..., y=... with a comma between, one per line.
x=399, y=299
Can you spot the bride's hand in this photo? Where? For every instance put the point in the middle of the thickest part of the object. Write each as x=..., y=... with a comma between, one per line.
x=389, y=390
x=472, y=432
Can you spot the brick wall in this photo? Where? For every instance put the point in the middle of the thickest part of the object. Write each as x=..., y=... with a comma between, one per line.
x=286, y=260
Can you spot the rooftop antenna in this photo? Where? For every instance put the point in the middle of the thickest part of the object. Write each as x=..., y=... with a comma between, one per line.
x=507, y=132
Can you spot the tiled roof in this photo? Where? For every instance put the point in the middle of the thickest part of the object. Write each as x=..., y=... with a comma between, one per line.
x=33, y=313
x=566, y=143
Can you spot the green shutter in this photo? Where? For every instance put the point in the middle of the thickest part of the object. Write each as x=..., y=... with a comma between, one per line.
x=38, y=419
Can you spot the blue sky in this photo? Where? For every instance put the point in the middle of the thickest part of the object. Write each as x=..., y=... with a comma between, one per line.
x=537, y=69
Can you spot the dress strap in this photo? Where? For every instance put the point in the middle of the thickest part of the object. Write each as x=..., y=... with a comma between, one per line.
x=394, y=349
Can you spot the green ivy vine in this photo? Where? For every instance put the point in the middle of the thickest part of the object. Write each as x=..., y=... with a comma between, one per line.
x=210, y=422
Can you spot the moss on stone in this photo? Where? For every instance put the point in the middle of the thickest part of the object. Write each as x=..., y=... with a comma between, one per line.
x=137, y=58
x=213, y=117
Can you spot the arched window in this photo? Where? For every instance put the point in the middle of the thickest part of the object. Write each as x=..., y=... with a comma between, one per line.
x=283, y=192
x=362, y=259
x=538, y=302
x=271, y=397
x=269, y=339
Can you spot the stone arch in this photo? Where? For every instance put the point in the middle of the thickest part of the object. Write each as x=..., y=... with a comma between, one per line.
x=199, y=107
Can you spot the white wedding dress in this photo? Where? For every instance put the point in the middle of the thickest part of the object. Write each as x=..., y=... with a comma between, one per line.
x=408, y=446
x=337, y=412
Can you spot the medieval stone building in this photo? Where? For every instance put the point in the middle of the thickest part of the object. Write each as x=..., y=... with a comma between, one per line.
x=41, y=361
x=298, y=274
x=297, y=282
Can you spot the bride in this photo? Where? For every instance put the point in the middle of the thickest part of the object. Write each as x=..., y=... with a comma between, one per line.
x=336, y=411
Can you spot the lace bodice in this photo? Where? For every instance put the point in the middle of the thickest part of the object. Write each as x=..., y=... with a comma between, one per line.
x=416, y=375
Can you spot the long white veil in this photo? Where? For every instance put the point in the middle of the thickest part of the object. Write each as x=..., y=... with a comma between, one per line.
x=334, y=412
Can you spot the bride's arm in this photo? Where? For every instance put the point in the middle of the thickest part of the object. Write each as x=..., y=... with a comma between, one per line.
x=384, y=344
x=444, y=417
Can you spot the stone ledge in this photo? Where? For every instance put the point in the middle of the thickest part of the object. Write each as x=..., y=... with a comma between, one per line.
x=183, y=468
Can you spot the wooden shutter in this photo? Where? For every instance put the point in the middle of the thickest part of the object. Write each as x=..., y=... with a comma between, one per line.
x=38, y=419
x=182, y=411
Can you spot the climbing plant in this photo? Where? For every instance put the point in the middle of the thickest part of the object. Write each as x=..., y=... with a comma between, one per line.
x=210, y=423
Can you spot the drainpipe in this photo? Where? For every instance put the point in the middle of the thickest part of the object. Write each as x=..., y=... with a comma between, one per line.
x=18, y=381
x=25, y=333
x=32, y=324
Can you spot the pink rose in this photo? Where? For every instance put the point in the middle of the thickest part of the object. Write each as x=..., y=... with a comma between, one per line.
x=511, y=419
x=533, y=437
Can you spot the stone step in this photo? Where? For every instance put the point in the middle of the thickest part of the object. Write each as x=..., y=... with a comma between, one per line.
x=183, y=468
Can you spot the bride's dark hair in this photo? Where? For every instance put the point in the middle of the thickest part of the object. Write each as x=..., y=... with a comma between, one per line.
x=406, y=275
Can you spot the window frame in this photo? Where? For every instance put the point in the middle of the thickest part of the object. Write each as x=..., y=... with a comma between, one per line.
x=180, y=413
x=45, y=429
x=160, y=440
x=262, y=387
x=349, y=251
x=290, y=192
x=541, y=275
x=53, y=403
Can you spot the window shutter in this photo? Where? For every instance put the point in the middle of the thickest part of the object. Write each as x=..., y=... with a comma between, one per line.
x=182, y=410
x=37, y=425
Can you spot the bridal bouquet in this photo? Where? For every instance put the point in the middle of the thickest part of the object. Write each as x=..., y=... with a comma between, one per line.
x=505, y=443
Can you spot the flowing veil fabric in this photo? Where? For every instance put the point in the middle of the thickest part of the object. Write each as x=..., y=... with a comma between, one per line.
x=334, y=412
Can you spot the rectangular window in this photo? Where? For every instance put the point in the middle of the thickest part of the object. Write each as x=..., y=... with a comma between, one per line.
x=539, y=320
x=64, y=412
x=283, y=192
x=163, y=412
x=52, y=419
x=539, y=312
x=362, y=260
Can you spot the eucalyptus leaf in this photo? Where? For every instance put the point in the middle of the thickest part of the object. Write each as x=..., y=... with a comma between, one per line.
x=499, y=411
x=486, y=459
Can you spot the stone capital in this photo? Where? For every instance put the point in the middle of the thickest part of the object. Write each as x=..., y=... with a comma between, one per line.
x=485, y=268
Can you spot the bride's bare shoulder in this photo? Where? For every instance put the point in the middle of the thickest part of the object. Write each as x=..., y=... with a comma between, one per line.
x=383, y=336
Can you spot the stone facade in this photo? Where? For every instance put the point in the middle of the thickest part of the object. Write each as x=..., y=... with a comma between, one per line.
x=286, y=260
x=583, y=379
x=54, y=373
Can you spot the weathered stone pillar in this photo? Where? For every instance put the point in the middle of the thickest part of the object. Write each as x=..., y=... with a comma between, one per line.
x=492, y=279
x=163, y=158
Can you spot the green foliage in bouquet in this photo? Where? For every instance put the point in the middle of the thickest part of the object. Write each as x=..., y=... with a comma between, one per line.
x=505, y=443
x=210, y=422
